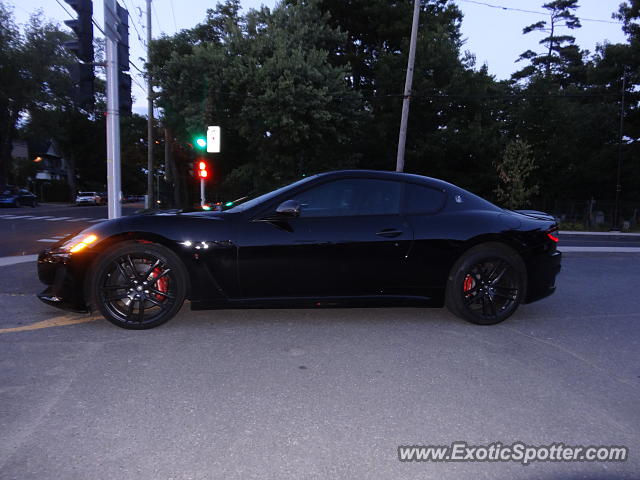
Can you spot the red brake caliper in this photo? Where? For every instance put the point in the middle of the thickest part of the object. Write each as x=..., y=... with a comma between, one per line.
x=468, y=284
x=162, y=285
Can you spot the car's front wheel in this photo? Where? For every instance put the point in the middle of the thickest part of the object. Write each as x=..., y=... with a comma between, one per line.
x=138, y=285
x=487, y=284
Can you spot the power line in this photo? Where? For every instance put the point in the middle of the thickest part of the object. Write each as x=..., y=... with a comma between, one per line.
x=173, y=13
x=513, y=9
x=65, y=9
x=153, y=8
x=133, y=23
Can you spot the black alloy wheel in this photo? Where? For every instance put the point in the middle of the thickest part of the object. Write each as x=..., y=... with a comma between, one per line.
x=139, y=285
x=487, y=284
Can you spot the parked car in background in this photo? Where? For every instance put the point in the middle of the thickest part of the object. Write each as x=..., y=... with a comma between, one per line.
x=16, y=197
x=88, y=198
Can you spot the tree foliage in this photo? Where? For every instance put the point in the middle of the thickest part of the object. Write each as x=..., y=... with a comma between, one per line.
x=314, y=85
x=515, y=189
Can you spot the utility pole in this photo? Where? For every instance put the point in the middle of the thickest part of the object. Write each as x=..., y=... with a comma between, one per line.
x=616, y=210
x=113, y=110
x=402, y=140
x=150, y=196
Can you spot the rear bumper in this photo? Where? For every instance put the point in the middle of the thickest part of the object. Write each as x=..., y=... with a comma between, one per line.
x=542, y=271
x=65, y=280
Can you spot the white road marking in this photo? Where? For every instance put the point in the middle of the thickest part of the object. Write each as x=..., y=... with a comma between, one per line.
x=79, y=219
x=5, y=261
x=98, y=220
x=600, y=249
x=10, y=217
x=59, y=236
x=54, y=219
x=40, y=218
x=48, y=240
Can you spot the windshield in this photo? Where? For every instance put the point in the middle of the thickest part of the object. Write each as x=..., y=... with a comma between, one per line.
x=86, y=194
x=252, y=202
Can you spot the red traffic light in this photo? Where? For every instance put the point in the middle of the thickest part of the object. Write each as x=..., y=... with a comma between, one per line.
x=203, y=169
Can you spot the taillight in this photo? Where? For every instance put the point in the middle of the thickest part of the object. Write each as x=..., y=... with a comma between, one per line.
x=553, y=234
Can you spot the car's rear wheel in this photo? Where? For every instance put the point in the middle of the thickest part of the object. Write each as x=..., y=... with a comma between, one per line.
x=487, y=284
x=138, y=285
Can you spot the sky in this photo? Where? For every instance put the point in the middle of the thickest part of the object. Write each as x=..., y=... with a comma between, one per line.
x=492, y=29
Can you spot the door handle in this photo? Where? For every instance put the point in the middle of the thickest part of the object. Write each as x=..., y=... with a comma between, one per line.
x=389, y=232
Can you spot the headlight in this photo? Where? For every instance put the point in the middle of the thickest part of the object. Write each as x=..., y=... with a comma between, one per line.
x=79, y=242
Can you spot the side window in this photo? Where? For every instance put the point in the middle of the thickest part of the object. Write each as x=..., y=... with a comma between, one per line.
x=351, y=197
x=419, y=199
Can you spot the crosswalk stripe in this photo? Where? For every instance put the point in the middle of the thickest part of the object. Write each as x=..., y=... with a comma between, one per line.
x=40, y=218
x=54, y=219
x=11, y=217
x=98, y=220
x=48, y=240
x=79, y=219
x=59, y=236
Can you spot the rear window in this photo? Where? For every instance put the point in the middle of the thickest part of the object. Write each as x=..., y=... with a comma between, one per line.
x=421, y=199
x=86, y=194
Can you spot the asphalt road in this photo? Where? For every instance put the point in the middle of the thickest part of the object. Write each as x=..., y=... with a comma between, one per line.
x=28, y=230
x=321, y=393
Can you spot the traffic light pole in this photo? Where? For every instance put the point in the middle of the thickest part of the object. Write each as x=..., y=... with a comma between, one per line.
x=113, y=112
x=203, y=200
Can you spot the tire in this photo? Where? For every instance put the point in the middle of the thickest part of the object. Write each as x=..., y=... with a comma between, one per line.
x=17, y=203
x=138, y=285
x=34, y=204
x=487, y=284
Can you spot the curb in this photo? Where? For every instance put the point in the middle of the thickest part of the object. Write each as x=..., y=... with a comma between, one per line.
x=599, y=234
x=599, y=249
x=6, y=261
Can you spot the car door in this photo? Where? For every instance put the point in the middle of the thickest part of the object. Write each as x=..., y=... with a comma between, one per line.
x=349, y=239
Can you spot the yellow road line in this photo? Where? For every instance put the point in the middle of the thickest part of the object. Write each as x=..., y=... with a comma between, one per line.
x=52, y=322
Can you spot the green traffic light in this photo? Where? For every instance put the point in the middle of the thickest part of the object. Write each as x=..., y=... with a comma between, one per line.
x=201, y=142
x=228, y=204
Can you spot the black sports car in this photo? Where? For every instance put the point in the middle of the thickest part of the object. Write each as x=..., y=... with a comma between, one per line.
x=349, y=238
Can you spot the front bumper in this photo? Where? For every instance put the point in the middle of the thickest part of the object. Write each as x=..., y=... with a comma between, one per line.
x=542, y=271
x=64, y=276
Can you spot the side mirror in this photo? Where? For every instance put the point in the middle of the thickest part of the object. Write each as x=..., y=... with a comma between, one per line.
x=289, y=208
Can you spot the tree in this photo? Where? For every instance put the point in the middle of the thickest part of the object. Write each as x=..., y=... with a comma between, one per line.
x=12, y=94
x=514, y=188
x=562, y=59
x=266, y=79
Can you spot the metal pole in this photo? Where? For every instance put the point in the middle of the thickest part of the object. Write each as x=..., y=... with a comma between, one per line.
x=203, y=201
x=402, y=140
x=616, y=209
x=152, y=203
x=113, y=113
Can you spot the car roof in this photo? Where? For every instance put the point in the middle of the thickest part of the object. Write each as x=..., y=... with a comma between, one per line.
x=390, y=175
